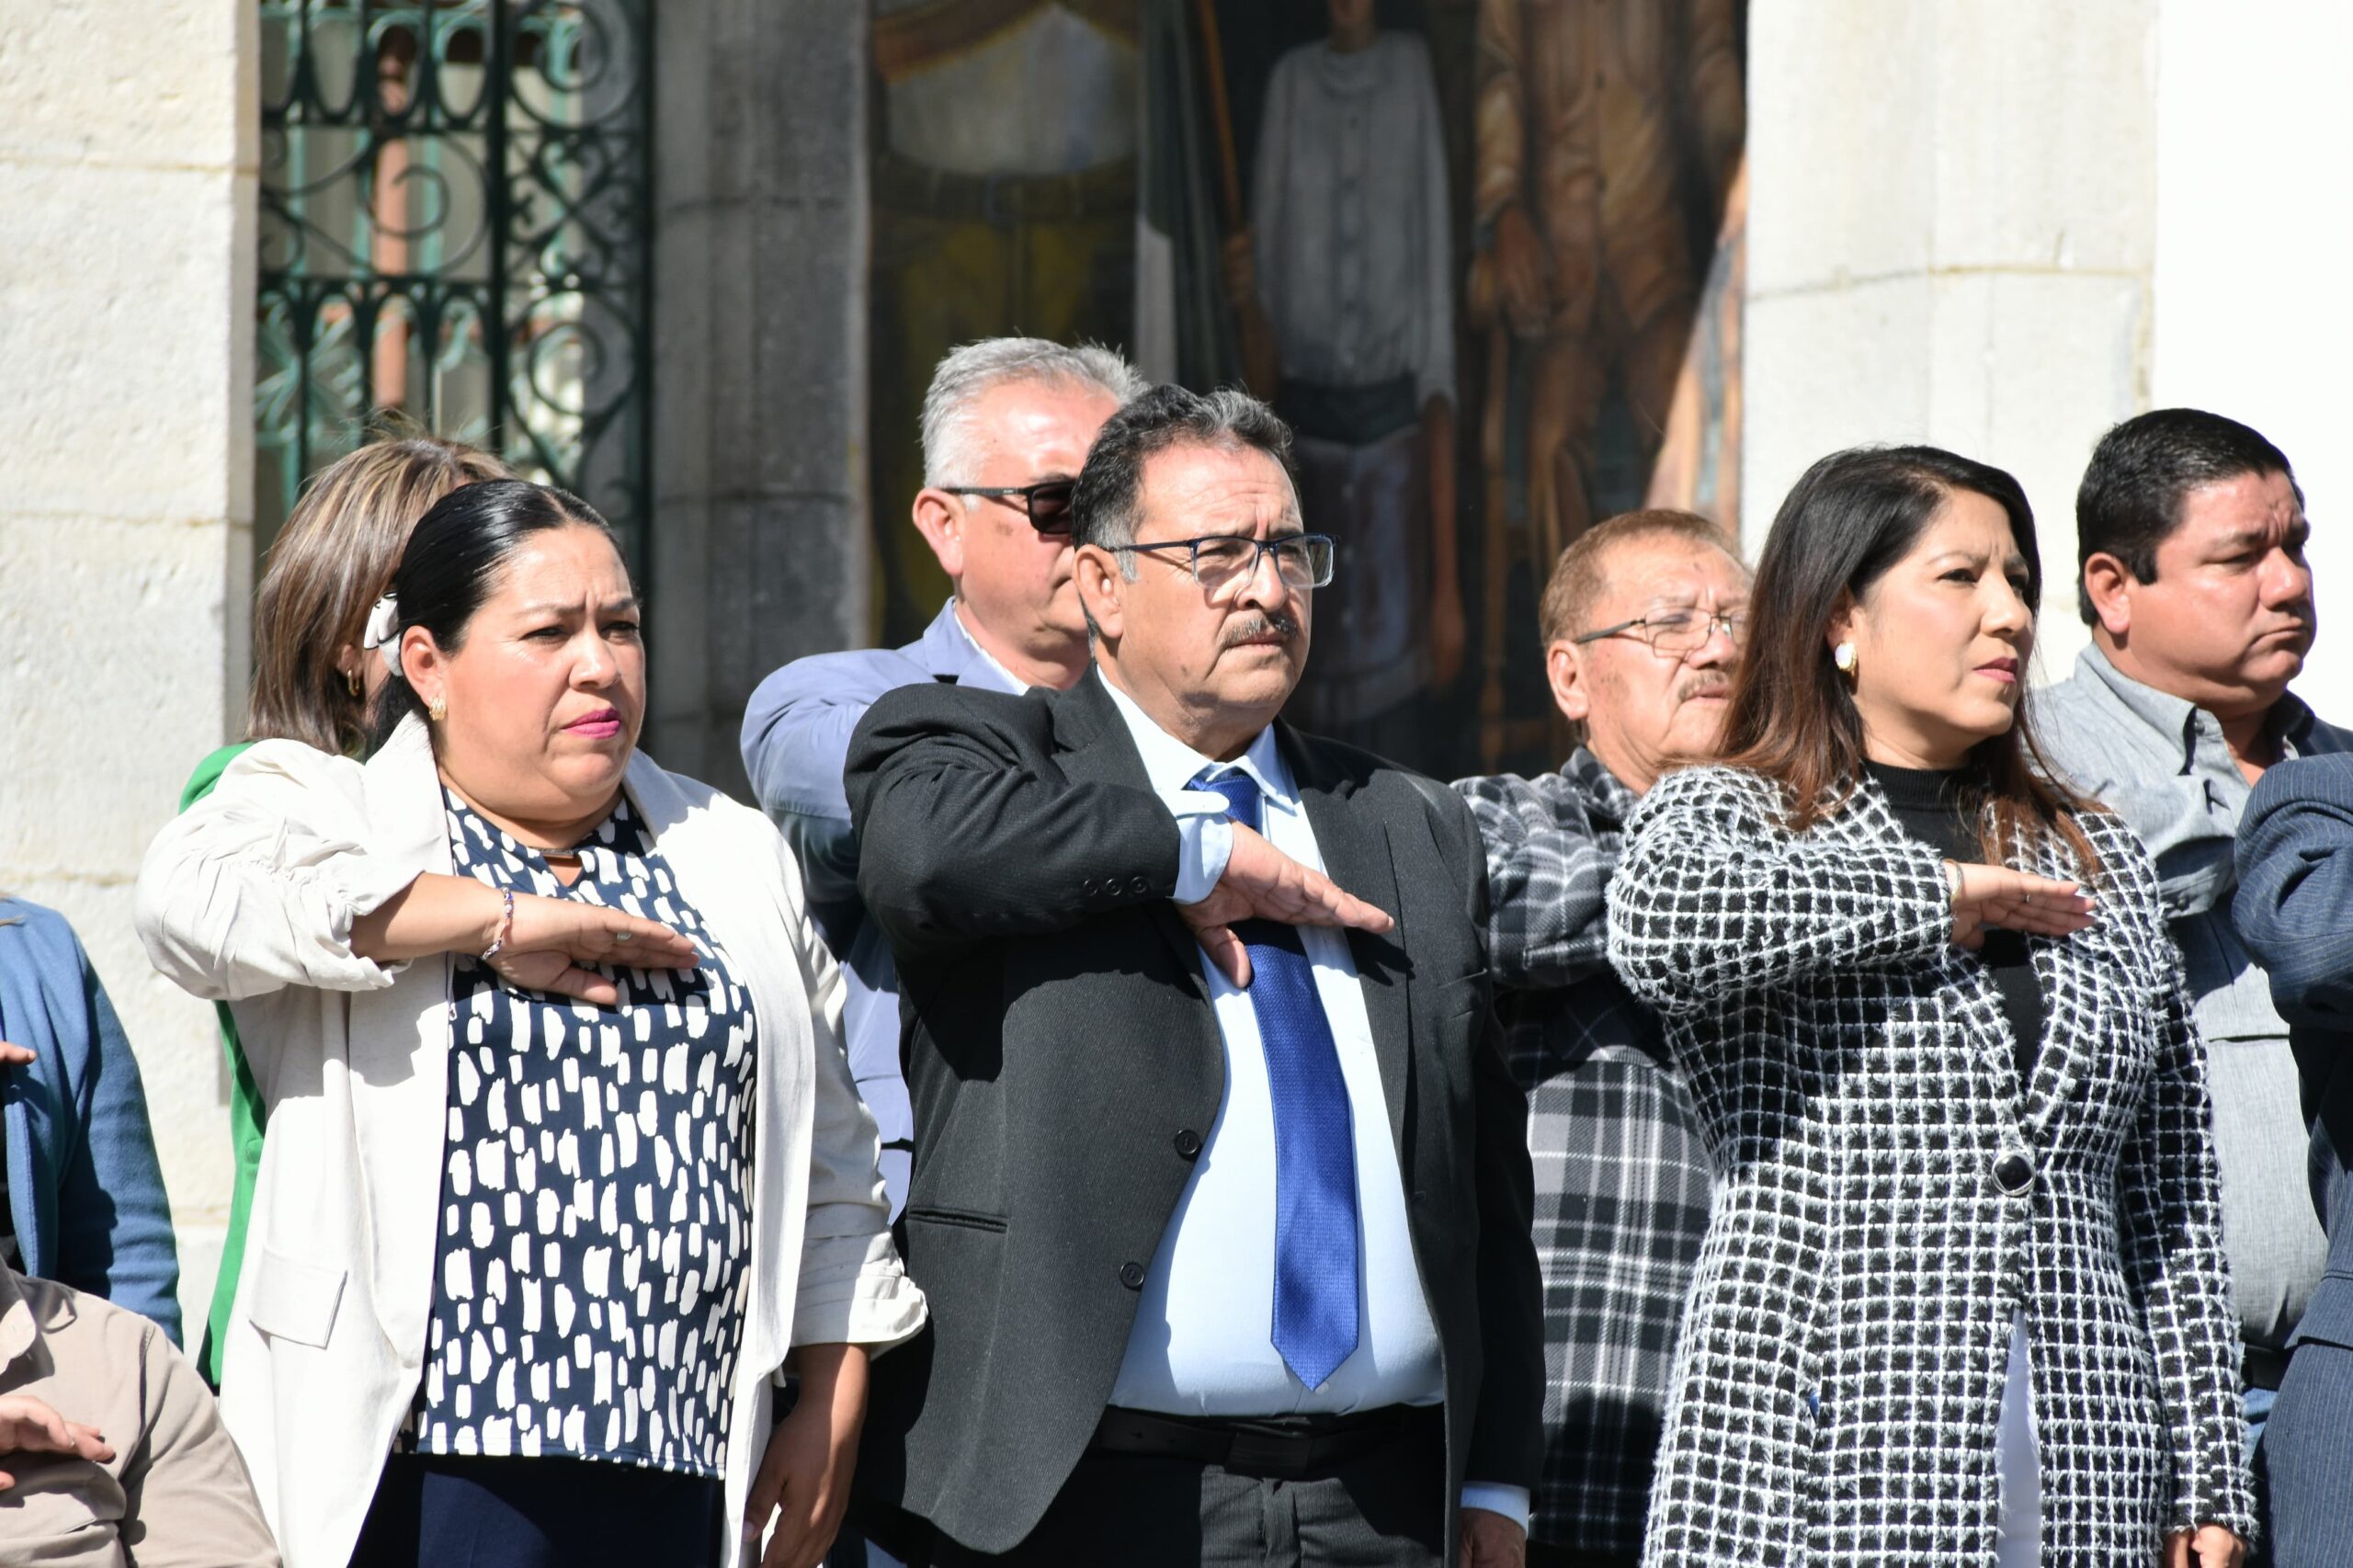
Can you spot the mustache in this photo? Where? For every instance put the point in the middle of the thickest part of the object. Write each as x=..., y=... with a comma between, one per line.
x=1707, y=684
x=1258, y=624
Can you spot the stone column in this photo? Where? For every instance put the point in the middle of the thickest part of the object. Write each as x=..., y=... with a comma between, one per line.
x=2253, y=315
x=128, y=176
x=1952, y=237
x=759, y=541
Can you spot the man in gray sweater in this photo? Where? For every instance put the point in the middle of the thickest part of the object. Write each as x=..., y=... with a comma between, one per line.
x=2190, y=536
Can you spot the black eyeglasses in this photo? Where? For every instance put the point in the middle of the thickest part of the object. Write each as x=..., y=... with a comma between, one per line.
x=1046, y=502
x=1222, y=560
x=1678, y=634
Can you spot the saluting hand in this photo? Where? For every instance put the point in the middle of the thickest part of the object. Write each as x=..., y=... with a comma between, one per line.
x=2212, y=1546
x=554, y=938
x=30, y=1427
x=1985, y=896
x=1261, y=882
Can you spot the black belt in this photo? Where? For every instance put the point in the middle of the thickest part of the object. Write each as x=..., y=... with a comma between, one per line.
x=2262, y=1368
x=1275, y=1447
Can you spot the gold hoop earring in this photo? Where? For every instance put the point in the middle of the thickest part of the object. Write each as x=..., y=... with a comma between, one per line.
x=437, y=710
x=1843, y=656
x=351, y=680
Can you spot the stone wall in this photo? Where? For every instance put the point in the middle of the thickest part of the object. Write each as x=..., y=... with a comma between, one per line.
x=2253, y=317
x=759, y=328
x=128, y=154
x=1951, y=235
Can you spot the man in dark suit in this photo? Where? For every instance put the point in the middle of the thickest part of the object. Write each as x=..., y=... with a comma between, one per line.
x=2294, y=909
x=1220, y=1194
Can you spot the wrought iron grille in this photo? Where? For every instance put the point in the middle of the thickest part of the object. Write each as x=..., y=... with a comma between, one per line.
x=456, y=224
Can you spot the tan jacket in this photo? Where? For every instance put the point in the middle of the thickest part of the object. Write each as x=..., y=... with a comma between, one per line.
x=175, y=1492
x=250, y=894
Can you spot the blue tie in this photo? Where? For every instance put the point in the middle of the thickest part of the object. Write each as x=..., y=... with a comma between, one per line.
x=1315, y=1164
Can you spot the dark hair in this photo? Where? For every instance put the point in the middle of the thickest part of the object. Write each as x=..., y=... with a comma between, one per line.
x=329, y=564
x=1108, y=504
x=453, y=561
x=2130, y=501
x=1854, y=515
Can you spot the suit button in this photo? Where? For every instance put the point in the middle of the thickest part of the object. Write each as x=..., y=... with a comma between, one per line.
x=2013, y=1173
x=1189, y=1143
x=1131, y=1276
x=1093, y=887
x=1140, y=885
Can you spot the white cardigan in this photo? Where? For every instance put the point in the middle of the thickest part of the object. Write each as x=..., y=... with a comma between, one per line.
x=250, y=896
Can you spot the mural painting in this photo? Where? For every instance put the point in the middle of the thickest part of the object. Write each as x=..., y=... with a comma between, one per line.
x=1484, y=255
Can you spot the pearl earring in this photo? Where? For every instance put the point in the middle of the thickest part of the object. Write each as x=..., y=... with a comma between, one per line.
x=1843, y=656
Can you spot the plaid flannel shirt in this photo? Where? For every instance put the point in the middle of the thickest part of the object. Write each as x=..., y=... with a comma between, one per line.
x=1622, y=1178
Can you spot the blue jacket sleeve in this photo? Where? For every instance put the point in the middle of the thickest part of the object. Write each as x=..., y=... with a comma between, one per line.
x=114, y=1219
x=105, y=1222
x=795, y=741
x=2295, y=909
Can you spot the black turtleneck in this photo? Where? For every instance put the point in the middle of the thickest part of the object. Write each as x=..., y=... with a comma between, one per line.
x=1928, y=804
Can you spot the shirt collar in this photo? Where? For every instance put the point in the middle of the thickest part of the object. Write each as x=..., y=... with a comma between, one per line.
x=1171, y=766
x=947, y=652
x=990, y=676
x=2176, y=718
x=1600, y=786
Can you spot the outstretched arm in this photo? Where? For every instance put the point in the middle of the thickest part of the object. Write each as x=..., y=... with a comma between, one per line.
x=969, y=830
x=1713, y=897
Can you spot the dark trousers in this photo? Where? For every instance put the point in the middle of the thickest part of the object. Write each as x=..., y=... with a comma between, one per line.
x=1385, y=1509
x=2308, y=1454
x=443, y=1511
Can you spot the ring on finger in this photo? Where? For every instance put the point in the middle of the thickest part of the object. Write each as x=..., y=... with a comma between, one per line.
x=622, y=936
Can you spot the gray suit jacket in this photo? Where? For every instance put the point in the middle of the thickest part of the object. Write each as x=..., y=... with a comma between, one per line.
x=1065, y=1065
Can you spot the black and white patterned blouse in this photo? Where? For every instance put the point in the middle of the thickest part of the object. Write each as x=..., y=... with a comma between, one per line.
x=596, y=1201
x=1894, y=1197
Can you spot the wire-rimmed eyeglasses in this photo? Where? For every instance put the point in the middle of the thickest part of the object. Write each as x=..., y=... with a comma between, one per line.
x=1218, y=562
x=1678, y=633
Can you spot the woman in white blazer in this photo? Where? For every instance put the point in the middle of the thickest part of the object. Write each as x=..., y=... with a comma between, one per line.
x=565, y=1168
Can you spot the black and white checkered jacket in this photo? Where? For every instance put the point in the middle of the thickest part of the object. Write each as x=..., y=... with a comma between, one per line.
x=1891, y=1199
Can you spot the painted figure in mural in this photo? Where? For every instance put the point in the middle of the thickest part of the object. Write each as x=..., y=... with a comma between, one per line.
x=1600, y=123
x=1344, y=290
x=1003, y=196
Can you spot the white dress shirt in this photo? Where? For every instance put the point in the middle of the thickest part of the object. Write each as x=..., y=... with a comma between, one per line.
x=1202, y=1344
x=1006, y=679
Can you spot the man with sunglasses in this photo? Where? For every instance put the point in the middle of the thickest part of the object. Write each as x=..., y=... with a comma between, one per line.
x=1222, y=1203
x=1005, y=427
x=1006, y=423
x=1643, y=623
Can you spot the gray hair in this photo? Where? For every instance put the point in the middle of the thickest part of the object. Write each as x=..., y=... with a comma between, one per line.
x=1108, y=506
x=976, y=369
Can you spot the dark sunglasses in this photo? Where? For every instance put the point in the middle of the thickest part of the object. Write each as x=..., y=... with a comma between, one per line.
x=1048, y=504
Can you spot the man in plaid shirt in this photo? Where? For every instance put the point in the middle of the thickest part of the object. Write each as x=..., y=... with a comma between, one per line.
x=1643, y=623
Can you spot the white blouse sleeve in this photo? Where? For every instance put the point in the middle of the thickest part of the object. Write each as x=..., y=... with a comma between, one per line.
x=256, y=887
x=852, y=1288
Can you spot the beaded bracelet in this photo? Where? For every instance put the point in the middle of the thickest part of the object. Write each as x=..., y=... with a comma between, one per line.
x=505, y=927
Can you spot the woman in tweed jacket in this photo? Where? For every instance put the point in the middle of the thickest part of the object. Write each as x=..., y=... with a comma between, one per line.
x=1964, y=1297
